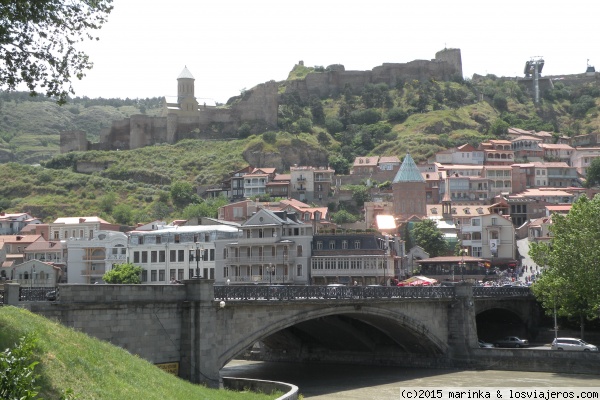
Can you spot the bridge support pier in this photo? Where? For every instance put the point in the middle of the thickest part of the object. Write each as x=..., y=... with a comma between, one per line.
x=462, y=326
x=198, y=342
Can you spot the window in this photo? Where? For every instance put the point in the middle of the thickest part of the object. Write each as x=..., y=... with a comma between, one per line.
x=172, y=255
x=158, y=240
x=344, y=244
x=494, y=221
x=319, y=245
x=153, y=275
x=140, y=240
x=299, y=251
x=144, y=275
x=332, y=245
x=161, y=256
x=144, y=257
x=136, y=257
x=476, y=222
x=357, y=244
x=299, y=270
x=154, y=256
x=177, y=238
x=180, y=276
x=161, y=275
x=180, y=255
x=476, y=236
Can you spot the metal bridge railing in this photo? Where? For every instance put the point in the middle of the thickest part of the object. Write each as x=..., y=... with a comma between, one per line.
x=289, y=292
x=38, y=293
x=508, y=291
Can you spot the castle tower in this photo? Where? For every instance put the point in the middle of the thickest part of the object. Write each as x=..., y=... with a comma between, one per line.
x=185, y=85
x=408, y=188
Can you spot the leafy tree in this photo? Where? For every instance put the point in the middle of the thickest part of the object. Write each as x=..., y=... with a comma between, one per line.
x=333, y=125
x=593, y=173
x=397, y=114
x=17, y=377
x=206, y=208
x=343, y=217
x=270, y=137
x=360, y=194
x=316, y=109
x=368, y=116
x=499, y=127
x=182, y=193
x=571, y=278
x=500, y=101
x=304, y=125
x=123, y=214
x=126, y=273
x=340, y=165
x=323, y=138
x=430, y=238
x=38, y=43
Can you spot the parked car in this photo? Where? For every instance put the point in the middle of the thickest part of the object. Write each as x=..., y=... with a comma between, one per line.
x=572, y=344
x=511, y=341
x=485, y=345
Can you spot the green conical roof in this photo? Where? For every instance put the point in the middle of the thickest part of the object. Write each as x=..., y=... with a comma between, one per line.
x=408, y=171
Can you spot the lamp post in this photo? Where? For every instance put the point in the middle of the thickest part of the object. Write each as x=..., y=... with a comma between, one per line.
x=199, y=250
x=462, y=264
x=269, y=269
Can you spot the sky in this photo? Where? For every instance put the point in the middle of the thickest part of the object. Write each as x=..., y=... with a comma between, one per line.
x=233, y=45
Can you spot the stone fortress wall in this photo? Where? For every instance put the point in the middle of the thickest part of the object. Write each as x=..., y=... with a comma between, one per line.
x=256, y=107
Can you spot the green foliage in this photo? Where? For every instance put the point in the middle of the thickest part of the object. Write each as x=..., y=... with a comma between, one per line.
x=123, y=214
x=182, y=193
x=304, y=125
x=206, y=208
x=340, y=165
x=499, y=127
x=17, y=371
x=365, y=117
x=571, y=277
x=581, y=106
x=244, y=130
x=360, y=194
x=343, y=217
x=333, y=125
x=38, y=41
x=500, y=102
x=397, y=115
x=427, y=235
x=270, y=137
x=593, y=173
x=126, y=273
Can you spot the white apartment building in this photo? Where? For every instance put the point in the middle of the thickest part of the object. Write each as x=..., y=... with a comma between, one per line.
x=274, y=247
x=88, y=259
x=78, y=228
x=176, y=253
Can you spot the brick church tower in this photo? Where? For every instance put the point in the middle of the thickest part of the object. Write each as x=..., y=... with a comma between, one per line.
x=408, y=188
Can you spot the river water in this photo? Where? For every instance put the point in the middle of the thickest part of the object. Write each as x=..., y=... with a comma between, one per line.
x=352, y=382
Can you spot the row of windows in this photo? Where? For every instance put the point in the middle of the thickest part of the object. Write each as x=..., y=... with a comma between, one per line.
x=154, y=256
x=159, y=275
x=73, y=234
x=246, y=271
x=348, y=263
x=177, y=238
x=331, y=244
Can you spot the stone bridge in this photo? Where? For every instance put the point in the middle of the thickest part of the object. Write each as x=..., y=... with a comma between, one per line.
x=200, y=327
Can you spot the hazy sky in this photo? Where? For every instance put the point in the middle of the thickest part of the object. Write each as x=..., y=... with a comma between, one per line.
x=233, y=45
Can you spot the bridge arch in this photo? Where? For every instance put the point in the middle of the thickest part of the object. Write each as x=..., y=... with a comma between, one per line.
x=497, y=318
x=400, y=326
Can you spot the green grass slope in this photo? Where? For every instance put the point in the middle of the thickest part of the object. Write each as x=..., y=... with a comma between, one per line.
x=94, y=369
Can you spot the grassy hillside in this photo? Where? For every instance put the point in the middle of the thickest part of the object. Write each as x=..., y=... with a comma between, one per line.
x=95, y=369
x=420, y=117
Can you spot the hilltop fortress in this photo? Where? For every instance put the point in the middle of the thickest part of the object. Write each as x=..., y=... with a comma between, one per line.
x=186, y=116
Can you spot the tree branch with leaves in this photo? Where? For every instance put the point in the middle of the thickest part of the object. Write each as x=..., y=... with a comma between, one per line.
x=38, y=41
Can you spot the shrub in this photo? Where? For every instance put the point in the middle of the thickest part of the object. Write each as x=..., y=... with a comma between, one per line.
x=333, y=125
x=17, y=378
x=270, y=137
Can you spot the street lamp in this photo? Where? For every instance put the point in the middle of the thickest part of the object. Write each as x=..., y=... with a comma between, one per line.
x=462, y=264
x=199, y=250
x=269, y=269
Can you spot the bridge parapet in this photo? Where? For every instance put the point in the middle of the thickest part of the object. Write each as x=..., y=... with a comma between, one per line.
x=509, y=291
x=289, y=292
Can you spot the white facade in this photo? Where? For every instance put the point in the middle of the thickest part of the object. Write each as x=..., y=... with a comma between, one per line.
x=89, y=259
x=582, y=158
x=35, y=273
x=274, y=247
x=176, y=253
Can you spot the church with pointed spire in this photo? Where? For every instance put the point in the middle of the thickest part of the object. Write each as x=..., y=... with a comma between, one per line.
x=409, y=190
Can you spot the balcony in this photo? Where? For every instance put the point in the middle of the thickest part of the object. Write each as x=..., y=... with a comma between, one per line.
x=117, y=257
x=93, y=272
x=258, y=260
x=264, y=279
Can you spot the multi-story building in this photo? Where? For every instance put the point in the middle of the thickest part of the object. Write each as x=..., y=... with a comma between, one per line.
x=365, y=165
x=79, y=227
x=364, y=258
x=500, y=179
x=498, y=152
x=463, y=155
x=89, y=258
x=311, y=183
x=528, y=148
x=274, y=247
x=11, y=224
x=557, y=152
x=176, y=253
x=279, y=186
x=582, y=158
